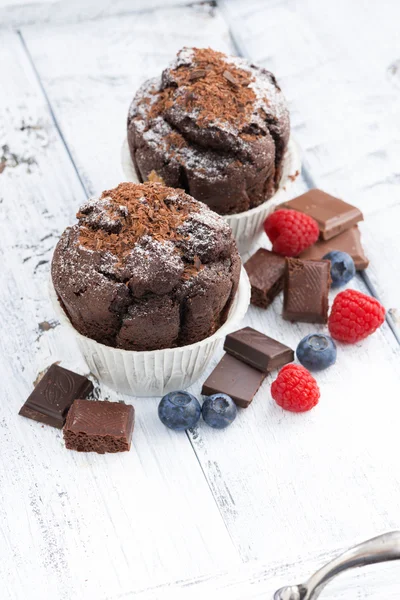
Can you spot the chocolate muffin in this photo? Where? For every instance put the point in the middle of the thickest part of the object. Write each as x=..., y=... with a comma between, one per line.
x=146, y=267
x=216, y=126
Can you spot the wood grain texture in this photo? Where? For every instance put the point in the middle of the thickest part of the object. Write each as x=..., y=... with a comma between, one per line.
x=71, y=525
x=254, y=581
x=16, y=13
x=291, y=489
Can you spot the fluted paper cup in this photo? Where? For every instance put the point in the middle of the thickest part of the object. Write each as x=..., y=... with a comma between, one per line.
x=246, y=226
x=154, y=373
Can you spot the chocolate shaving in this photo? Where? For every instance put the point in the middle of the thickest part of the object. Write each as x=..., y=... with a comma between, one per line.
x=229, y=77
x=191, y=271
x=175, y=140
x=197, y=262
x=197, y=74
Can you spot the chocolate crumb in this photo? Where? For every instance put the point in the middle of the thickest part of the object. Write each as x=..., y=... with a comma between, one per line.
x=293, y=177
x=154, y=178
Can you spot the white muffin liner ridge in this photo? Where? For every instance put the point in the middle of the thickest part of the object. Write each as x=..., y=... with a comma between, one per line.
x=157, y=372
x=246, y=226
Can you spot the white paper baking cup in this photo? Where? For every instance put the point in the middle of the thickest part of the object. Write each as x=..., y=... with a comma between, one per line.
x=246, y=226
x=157, y=372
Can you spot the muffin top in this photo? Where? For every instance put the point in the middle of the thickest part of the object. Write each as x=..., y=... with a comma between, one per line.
x=214, y=116
x=213, y=99
x=148, y=236
x=132, y=270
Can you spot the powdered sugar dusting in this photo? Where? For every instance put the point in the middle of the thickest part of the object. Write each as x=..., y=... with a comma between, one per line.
x=103, y=214
x=206, y=163
x=185, y=57
x=269, y=96
x=146, y=95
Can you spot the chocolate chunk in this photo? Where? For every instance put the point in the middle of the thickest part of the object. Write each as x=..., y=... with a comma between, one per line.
x=52, y=397
x=99, y=426
x=349, y=241
x=266, y=271
x=305, y=293
x=332, y=215
x=235, y=378
x=258, y=350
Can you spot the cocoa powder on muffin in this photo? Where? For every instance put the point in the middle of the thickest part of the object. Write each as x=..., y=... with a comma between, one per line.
x=146, y=267
x=214, y=125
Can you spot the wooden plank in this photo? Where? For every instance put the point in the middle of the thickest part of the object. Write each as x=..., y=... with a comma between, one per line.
x=72, y=525
x=288, y=486
x=254, y=581
x=338, y=66
x=16, y=13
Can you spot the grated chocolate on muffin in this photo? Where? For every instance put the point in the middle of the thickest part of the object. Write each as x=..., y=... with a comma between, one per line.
x=146, y=267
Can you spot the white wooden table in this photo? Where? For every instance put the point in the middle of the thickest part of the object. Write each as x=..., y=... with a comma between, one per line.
x=202, y=514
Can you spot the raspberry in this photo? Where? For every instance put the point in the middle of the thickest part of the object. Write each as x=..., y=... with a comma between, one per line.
x=291, y=231
x=354, y=316
x=295, y=389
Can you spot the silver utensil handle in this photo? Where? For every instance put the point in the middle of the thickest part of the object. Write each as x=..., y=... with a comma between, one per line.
x=383, y=548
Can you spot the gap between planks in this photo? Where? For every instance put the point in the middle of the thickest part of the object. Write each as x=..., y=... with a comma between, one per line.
x=87, y=191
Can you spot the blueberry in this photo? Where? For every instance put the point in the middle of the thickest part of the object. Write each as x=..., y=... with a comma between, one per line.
x=316, y=352
x=342, y=267
x=219, y=411
x=179, y=410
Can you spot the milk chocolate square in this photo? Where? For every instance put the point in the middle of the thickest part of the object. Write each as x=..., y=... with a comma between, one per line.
x=332, y=214
x=348, y=241
x=265, y=270
x=99, y=426
x=305, y=292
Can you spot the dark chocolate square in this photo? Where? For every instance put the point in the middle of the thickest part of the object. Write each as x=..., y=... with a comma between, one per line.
x=266, y=271
x=99, y=426
x=235, y=378
x=305, y=292
x=54, y=394
x=258, y=350
x=332, y=214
